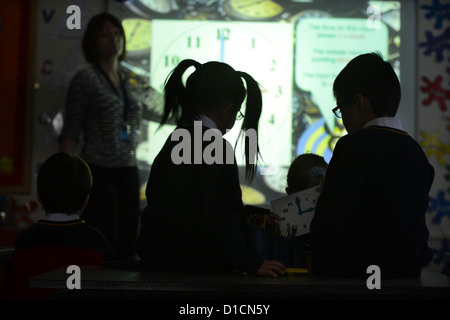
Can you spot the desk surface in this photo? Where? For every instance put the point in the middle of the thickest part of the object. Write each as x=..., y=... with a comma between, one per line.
x=6, y=253
x=117, y=281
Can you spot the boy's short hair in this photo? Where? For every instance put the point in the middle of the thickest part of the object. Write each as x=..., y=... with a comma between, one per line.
x=95, y=25
x=372, y=77
x=64, y=181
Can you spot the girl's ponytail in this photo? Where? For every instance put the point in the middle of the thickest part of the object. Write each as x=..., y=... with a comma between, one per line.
x=251, y=121
x=175, y=92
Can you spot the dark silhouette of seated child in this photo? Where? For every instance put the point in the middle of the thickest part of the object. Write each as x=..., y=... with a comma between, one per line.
x=64, y=183
x=306, y=171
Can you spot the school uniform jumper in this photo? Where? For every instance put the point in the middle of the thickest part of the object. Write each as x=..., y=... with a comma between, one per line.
x=193, y=220
x=372, y=207
x=67, y=233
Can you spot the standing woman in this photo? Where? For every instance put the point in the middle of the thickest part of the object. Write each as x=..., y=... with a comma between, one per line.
x=101, y=109
x=193, y=220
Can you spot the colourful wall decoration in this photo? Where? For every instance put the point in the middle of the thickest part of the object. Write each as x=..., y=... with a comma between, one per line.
x=15, y=112
x=433, y=101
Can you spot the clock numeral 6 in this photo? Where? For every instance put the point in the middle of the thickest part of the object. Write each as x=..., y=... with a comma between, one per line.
x=279, y=92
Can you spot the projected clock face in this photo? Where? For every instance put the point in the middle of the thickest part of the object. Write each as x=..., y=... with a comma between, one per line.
x=137, y=33
x=252, y=9
x=262, y=49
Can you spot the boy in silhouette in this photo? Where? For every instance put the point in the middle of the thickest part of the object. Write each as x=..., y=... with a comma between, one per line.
x=64, y=183
x=371, y=210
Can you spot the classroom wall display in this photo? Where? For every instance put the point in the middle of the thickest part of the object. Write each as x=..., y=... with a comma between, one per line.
x=294, y=49
x=59, y=56
x=433, y=97
x=52, y=57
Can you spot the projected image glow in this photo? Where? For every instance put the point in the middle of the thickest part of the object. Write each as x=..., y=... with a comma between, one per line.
x=262, y=49
x=294, y=49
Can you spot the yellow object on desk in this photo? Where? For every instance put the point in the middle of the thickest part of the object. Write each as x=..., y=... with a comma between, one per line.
x=290, y=271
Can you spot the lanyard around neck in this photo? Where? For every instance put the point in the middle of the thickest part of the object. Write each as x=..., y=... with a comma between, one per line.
x=122, y=87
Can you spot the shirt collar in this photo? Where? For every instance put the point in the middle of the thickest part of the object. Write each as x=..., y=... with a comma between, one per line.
x=61, y=217
x=207, y=121
x=385, y=122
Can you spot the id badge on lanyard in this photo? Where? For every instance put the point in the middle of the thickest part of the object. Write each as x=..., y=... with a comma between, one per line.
x=125, y=132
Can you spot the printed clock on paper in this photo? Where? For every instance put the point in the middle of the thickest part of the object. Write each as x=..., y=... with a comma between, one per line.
x=296, y=210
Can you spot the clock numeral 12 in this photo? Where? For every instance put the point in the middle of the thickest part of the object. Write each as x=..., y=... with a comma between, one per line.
x=223, y=34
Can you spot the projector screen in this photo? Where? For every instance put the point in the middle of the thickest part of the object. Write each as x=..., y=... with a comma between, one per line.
x=294, y=49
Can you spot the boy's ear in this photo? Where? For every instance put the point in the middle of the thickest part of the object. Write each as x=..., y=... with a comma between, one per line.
x=358, y=103
x=362, y=104
x=86, y=201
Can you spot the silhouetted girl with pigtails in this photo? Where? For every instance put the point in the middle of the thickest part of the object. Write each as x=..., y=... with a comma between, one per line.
x=194, y=211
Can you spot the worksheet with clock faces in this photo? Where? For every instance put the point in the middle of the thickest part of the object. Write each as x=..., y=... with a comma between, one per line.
x=294, y=49
x=296, y=211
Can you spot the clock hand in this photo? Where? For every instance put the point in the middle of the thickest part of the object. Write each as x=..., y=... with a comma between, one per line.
x=300, y=211
x=222, y=46
x=251, y=4
x=134, y=30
